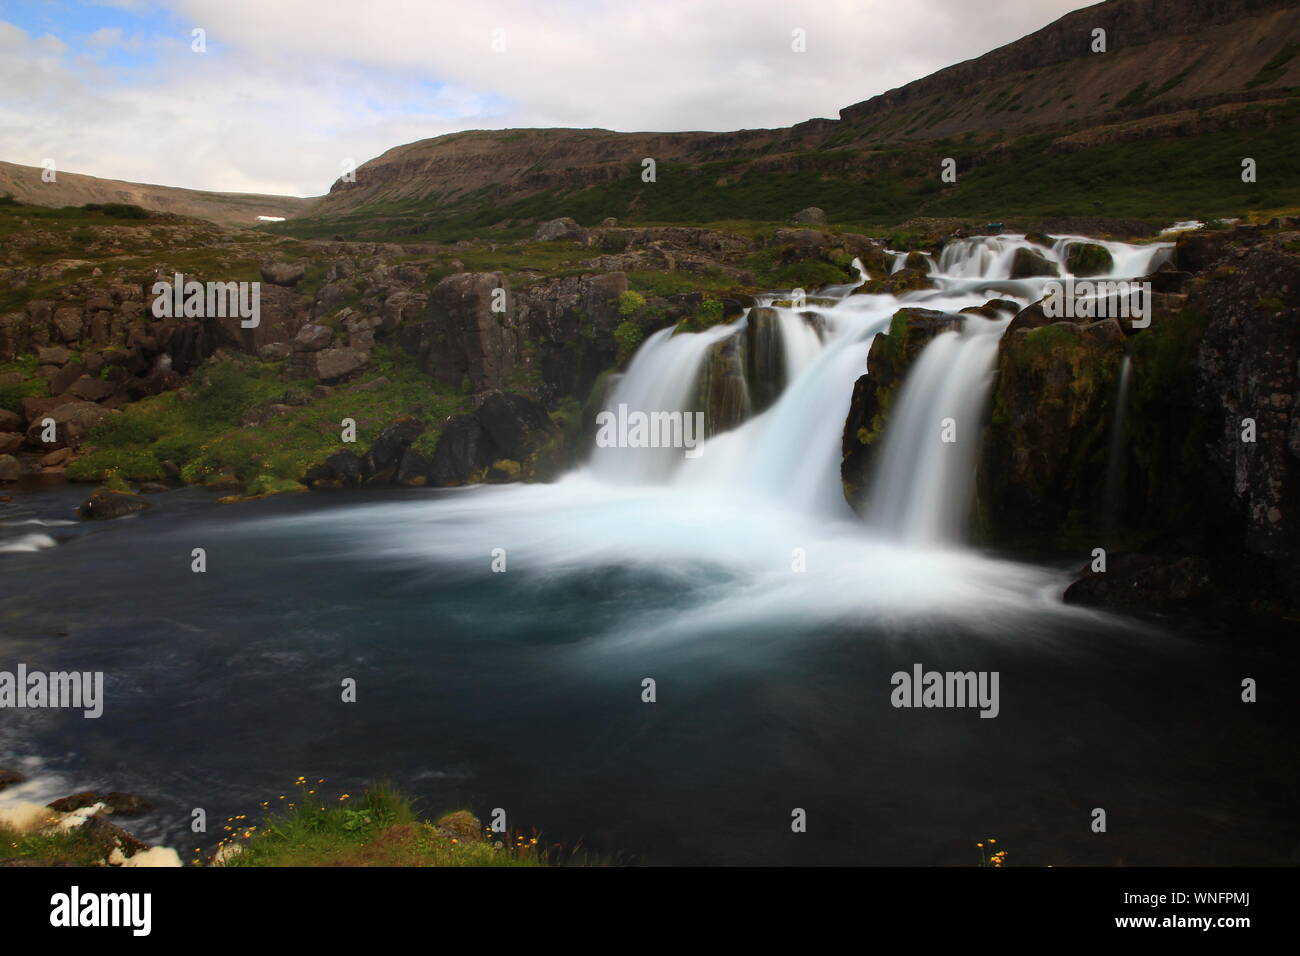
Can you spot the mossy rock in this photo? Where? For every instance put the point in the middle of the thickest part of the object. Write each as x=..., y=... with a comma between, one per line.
x=1088, y=259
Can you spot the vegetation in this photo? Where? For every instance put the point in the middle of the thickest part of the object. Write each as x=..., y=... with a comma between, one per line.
x=199, y=429
x=377, y=828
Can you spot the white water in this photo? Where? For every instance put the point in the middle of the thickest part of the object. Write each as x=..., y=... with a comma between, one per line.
x=755, y=537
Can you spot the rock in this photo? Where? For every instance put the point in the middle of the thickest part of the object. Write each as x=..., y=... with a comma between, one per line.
x=10, y=421
x=73, y=420
x=1169, y=281
x=10, y=778
x=53, y=355
x=104, y=504
x=609, y=222
x=1197, y=251
x=11, y=442
x=1088, y=259
x=90, y=389
x=723, y=394
x=313, y=338
x=334, y=365
x=124, y=804
x=68, y=323
x=811, y=216
x=1141, y=581
x=283, y=273
x=461, y=825
x=464, y=449
x=275, y=351
x=413, y=470
x=465, y=337
x=386, y=451
x=10, y=468
x=56, y=458
x=346, y=467
x=562, y=228
x=515, y=424
x=1028, y=263
x=764, y=371
x=1038, y=462
x=1040, y=239
x=904, y=280
x=152, y=488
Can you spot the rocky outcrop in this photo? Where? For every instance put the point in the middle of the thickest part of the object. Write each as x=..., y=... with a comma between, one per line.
x=1043, y=455
x=1028, y=263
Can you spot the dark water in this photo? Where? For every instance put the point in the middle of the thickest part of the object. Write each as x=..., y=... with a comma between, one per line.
x=484, y=690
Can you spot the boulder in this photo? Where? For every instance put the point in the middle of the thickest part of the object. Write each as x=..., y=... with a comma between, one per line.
x=10, y=421
x=562, y=228
x=463, y=451
x=334, y=365
x=73, y=420
x=10, y=468
x=90, y=389
x=313, y=338
x=283, y=273
x=10, y=442
x=811, y=216
x=53, y=355
x=1088, y=259
x=388, y=448
x=104, y=504
x=516, y=425
x=1028, y=263
x=123, y=804
x=1141, y=582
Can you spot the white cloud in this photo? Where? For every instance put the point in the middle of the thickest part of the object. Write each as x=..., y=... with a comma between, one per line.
x=289, y=89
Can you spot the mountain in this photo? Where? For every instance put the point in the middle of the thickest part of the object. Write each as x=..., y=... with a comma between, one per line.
x=75, y=189
x=1185, y=85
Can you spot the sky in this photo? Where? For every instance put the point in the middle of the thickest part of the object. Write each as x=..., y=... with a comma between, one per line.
x=283, y=93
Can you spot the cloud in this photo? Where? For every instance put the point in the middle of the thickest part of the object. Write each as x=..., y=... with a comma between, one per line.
x=288, y=90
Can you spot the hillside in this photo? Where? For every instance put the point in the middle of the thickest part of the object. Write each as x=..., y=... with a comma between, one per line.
x=75, y=189
x=1183, y=85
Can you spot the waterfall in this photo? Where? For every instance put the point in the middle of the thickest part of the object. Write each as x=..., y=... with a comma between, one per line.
x=661, y=378
x=1115, y=458
x=788, y=453
x=926, y=468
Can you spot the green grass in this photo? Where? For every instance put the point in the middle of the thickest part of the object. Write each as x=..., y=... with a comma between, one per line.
x=70, y=848
x=199, y=429
x=377, y=828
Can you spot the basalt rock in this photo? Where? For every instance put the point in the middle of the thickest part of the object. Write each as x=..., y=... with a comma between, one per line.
x=104, y=504
x=1043, y=455
x=1028, y=263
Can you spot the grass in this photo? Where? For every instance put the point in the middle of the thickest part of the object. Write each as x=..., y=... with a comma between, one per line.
x=199, y=429
x=69, y=848
x=377, y=828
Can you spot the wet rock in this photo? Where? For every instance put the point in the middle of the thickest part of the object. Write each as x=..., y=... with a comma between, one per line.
x=722, y=393
x=1088, y=259
x=123, y=804
x=1043, y=452
x=1028, y=263
x=103, y=505
x=388, y=448
x=516, y=425
x=152, y=488
x=1141, y=581
x=10, y=778
x=464, y=449
x=11, y=442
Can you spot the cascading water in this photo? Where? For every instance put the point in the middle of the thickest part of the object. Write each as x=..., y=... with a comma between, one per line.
x=790, y=452
x=1115, y=460
x=923, y=485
